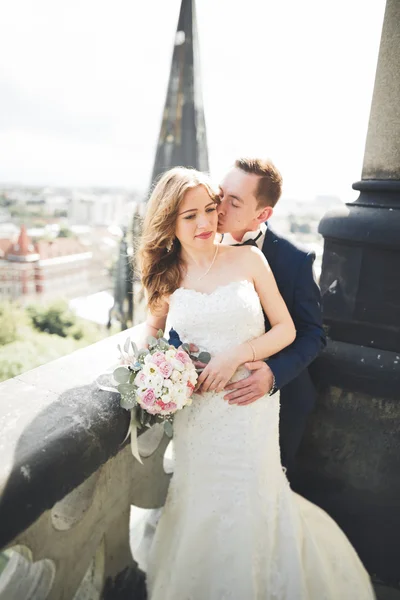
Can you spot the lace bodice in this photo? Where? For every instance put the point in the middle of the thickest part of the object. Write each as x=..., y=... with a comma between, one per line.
x=226, y=317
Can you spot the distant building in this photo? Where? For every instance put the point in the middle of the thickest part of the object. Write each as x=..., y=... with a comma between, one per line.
x=97, y=209
x=59, y=267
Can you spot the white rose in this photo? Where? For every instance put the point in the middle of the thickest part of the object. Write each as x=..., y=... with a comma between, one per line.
x=170, y=354
x=180, y=392
x=180, y=400
x=157, y=382
x=178, y=365
x=193, y=378
x=175, y=375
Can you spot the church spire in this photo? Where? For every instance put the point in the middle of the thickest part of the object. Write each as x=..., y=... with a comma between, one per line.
x=182, y=140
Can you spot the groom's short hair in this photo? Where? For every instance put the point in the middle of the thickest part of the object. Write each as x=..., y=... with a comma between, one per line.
x=269, y=187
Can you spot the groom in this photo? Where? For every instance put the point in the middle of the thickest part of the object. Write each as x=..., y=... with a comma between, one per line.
x=249, y=193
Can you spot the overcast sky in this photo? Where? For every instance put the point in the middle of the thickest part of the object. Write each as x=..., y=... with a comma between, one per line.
x=83, y=82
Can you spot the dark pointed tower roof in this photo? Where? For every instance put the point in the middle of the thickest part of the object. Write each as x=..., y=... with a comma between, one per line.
x=182, y=140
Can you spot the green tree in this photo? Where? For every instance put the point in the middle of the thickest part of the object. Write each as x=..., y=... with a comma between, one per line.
x=65, y=233
x=36, y=335
x=9, y=318
x=32, y=351
x=55, y=318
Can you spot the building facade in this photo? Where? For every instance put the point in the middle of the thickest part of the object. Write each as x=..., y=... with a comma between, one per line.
x=59, y=267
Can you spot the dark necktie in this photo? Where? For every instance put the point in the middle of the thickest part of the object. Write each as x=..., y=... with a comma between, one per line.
x=251, y=242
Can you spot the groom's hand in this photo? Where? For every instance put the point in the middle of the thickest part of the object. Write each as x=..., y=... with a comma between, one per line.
x=253, y=387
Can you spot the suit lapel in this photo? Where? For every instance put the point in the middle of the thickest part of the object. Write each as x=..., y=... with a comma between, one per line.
x=270, y=246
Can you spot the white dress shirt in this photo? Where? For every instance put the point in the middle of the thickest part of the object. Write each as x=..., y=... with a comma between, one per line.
x=228, y=240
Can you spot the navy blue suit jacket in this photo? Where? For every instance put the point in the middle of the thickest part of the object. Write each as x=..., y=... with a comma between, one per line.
x=293, y=271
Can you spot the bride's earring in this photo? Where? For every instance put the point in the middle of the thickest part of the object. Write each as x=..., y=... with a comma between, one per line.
x=169, y=246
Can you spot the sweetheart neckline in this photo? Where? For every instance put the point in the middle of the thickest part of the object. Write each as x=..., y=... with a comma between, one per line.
x=219, y=287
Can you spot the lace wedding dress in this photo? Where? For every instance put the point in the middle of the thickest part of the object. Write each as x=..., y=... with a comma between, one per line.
x=231, y=528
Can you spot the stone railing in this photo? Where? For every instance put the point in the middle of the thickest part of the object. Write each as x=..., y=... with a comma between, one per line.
x=67, y=483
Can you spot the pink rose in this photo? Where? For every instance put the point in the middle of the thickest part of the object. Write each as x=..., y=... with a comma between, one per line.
x=165, y=369
x=157, y=358
x=140, y=379
x=182, y=357
x=148, y=398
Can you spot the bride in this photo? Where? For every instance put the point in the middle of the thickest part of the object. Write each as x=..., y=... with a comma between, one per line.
x=231, y=528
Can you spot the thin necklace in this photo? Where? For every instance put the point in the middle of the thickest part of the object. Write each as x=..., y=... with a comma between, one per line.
x=208, y=270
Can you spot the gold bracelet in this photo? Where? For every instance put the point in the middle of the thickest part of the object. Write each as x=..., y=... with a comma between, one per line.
x=252, y=349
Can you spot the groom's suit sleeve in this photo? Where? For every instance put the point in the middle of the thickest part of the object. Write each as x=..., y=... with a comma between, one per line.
x=307, y=316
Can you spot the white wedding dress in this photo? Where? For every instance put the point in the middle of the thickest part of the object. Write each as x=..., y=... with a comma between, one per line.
x=231, y=528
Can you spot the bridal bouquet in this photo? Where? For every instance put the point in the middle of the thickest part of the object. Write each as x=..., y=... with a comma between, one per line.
x=154, y=383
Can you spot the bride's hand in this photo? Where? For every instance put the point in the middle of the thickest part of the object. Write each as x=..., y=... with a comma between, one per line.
x=217, y=373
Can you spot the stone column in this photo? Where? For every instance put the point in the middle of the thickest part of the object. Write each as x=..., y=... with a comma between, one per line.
x=382, y=149
x=350, y=462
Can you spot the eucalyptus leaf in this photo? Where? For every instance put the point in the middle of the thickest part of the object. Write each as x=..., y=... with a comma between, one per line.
x=163, y=344
x=126, y=389
x=186, y=347
x=168, y=429
x=160, y=333
x=152, y=341
x=128, y=395
x=135, y=349
x=121, y=375
x=127, y=403
x=127, y=344
x=143, y=353
x=204, y=357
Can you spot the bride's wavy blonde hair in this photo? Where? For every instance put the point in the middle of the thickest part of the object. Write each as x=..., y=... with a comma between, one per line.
x=159, y=253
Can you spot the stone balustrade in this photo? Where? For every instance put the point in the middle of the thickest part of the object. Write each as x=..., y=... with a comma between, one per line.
x=67, y=482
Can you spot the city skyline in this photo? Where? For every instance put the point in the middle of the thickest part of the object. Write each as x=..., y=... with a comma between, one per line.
x=83, y=86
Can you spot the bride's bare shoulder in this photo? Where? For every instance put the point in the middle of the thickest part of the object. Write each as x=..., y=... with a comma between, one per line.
x=248, y=252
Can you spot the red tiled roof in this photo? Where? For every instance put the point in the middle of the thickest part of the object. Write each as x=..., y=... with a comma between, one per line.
x=23, y=247
x=59, y=247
